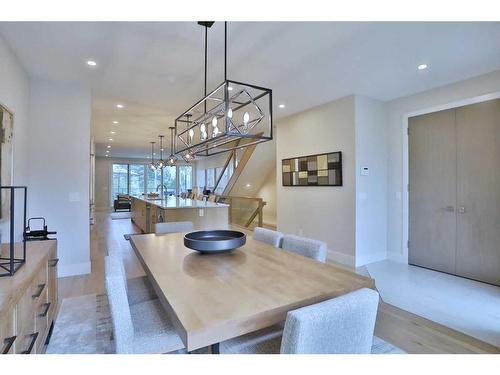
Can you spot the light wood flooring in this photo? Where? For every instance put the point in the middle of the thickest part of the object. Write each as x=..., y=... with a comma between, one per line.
x=405, y=330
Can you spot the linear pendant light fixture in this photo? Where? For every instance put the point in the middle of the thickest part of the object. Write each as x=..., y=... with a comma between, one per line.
x=233, y=116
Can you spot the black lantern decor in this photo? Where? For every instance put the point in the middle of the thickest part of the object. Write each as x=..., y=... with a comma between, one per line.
x=13, y=255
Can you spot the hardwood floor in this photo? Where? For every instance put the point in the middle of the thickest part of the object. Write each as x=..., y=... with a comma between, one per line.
x=407, y=331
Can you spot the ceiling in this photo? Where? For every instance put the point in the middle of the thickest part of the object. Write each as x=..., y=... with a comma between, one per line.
x=156, y=69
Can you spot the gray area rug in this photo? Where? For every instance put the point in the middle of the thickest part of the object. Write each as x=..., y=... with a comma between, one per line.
x=120, y=215
x=83, y=326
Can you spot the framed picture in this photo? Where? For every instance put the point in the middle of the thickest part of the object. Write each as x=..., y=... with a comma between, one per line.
x=313, y=170
x=6, y=131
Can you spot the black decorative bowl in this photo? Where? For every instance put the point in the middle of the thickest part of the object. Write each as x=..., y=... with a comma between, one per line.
x=214, y=241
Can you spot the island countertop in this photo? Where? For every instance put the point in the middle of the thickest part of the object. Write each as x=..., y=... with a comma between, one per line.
x=176, y=203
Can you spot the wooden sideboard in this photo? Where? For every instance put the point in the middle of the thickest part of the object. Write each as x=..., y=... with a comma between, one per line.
x=28, y=300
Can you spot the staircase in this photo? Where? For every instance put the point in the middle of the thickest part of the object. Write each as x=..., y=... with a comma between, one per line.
x=246, y=209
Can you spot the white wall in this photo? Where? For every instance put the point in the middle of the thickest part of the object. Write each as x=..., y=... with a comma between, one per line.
x=324, y=213
x=268, y=193
x=14, y=95
x=444, y=97
x=59, y=152
x=371, y=190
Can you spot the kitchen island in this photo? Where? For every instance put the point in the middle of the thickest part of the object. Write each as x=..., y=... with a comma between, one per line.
x=204, y=215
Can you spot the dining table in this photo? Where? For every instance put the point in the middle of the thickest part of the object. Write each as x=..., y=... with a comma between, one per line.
x=210, y=298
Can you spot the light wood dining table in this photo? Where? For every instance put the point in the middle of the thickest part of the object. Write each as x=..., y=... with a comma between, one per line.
x=215, y=297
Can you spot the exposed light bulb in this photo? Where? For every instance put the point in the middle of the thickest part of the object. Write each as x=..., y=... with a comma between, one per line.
x=214, y=122
x=246, y=118
x=191, y=133
x=230, y=113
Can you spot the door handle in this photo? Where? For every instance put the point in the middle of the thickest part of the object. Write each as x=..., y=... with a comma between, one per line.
x=46, y=310
x=8, y=344
x=54, y=262
x=461, y=210
x=34, y=336
x=41, y=287
x=449, y=209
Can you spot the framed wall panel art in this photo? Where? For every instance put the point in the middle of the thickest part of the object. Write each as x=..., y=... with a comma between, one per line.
x=313, y=170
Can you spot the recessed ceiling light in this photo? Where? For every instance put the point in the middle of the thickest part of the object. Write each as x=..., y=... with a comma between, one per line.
x=119, y=106
x=110, y=139
x=422, y=67
x=282, y=106
x=108, y=146
x=115, y=122
x=112, y=132
x=91, y=63
x=249, y=186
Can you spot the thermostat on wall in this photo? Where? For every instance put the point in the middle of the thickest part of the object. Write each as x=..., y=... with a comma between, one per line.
x=365, y=171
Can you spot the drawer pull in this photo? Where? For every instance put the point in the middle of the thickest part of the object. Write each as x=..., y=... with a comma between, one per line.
x=8, y=344
x=46, y=311
x=54, y=262
x=34, y=336
x=41, y=287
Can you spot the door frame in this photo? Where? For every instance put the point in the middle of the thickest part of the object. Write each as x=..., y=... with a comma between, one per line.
x=406, y=158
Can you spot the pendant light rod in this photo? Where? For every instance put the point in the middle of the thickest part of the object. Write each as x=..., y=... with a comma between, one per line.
x=206, y=63
x=225, y=52
x=161, y=147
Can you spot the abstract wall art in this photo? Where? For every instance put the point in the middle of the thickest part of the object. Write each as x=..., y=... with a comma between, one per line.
x=313, y=170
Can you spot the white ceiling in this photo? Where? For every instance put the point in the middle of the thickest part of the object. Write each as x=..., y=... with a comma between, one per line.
x=156, y=69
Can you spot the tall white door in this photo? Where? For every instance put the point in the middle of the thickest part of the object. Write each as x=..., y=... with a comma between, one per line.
x=433, y=190
x=455, y=191
x=478, y=191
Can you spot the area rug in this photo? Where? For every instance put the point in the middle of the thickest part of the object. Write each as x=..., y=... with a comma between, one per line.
x=120, y=215
x=83, y=326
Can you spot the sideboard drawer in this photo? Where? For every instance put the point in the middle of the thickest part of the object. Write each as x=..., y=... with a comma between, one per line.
x=25, y=322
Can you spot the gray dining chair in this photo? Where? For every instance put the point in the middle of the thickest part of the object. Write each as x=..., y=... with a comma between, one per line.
x=307, y=247
x=174, y=227
x=342, y=325
x=268, y=236
x=142, y=328
x=138, y=289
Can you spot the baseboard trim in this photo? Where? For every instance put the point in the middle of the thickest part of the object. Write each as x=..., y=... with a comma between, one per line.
x=65, y=270
x=363, y=260
x=342, y=258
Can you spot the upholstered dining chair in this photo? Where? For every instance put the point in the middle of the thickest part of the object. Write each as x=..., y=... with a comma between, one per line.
x=174, y=227
x=268, y=236
x=141, y=328
x=342, y=325
x=307, y=247
x=138, y=289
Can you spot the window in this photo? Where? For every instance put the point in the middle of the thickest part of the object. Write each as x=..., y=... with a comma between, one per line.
x=119, y=180
x=185, y=177
x=169, y=180
x=210, y=178
x=136, y=179
x=153, y=180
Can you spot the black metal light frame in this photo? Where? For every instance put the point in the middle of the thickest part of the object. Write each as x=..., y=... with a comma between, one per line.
x=11, y=264
x=223, y=102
